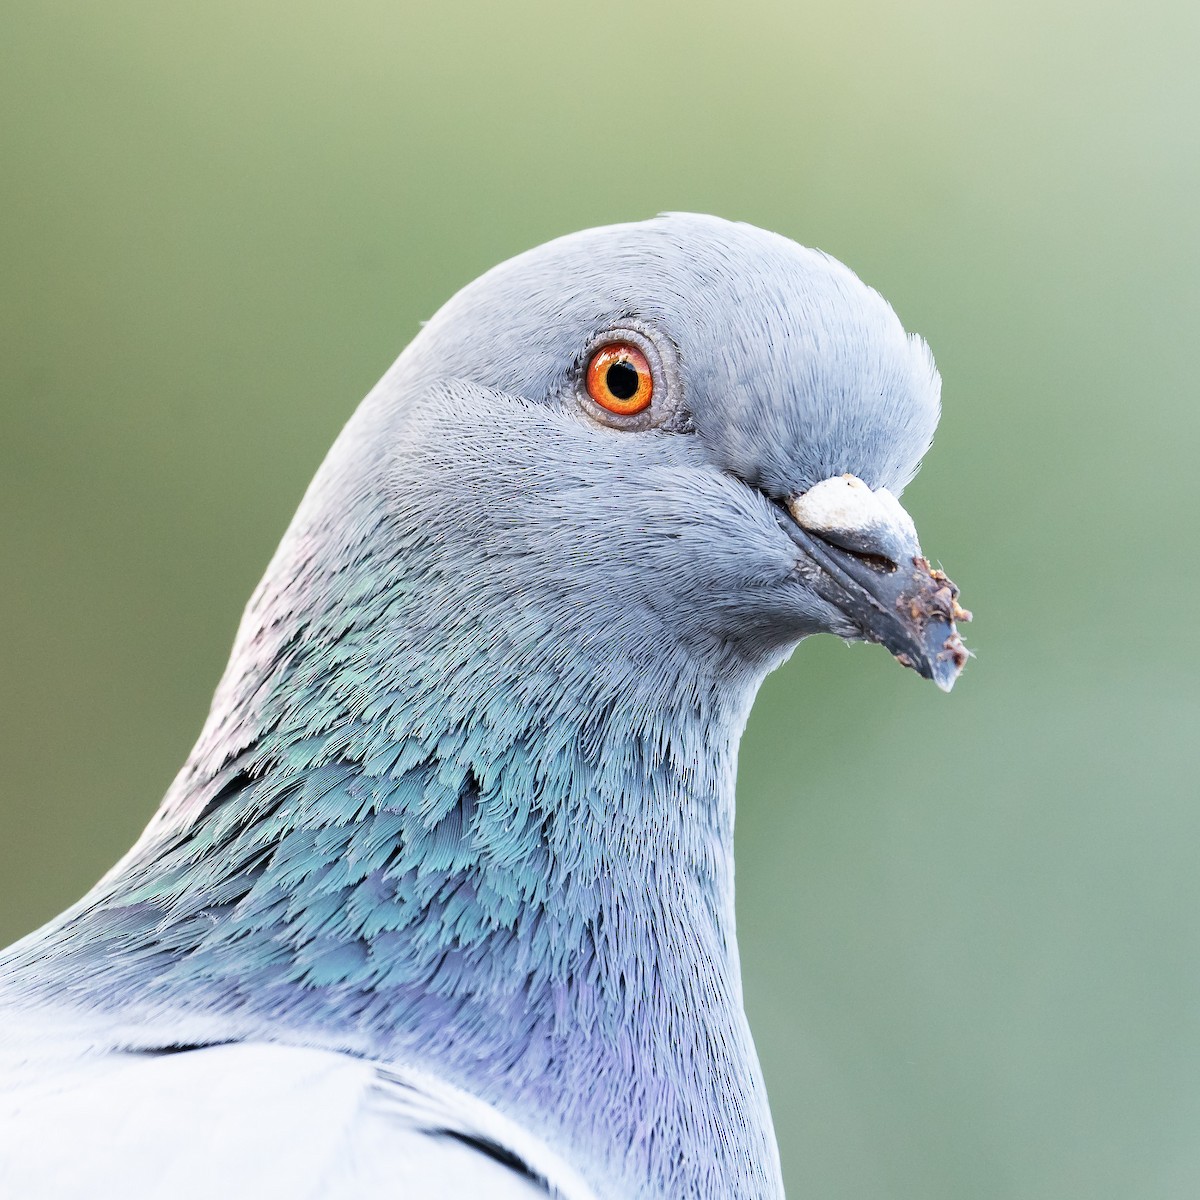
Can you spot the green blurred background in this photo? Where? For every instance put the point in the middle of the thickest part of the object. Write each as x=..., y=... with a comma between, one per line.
x=969, y=923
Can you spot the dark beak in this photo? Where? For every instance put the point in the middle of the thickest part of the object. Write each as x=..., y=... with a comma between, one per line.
x=859, y=552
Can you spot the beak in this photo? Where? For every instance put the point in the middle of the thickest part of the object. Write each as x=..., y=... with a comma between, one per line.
x=860, y=553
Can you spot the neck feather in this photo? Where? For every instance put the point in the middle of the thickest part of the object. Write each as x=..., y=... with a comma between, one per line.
x=452, y=837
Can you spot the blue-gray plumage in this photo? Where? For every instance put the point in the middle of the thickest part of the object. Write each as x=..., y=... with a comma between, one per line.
x=449, y=872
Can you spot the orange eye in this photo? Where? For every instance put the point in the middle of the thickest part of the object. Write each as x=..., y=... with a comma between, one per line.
x=619, y=379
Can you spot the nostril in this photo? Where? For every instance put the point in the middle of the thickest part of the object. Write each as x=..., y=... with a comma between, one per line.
x=848, y=516
x=852, y=542
x=877, y=562
x=872, y=558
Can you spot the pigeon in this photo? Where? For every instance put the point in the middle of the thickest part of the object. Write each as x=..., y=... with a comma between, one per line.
x=441, y=904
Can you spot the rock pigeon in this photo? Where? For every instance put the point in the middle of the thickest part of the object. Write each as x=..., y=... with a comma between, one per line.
x=441, y=904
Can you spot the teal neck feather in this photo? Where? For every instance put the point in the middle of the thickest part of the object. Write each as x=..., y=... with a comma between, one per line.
x=470, y=849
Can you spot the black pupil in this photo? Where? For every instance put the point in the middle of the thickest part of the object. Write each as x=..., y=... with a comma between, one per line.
x=622, y=380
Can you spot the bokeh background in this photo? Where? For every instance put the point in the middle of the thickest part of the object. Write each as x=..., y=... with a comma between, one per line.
x=969, y=923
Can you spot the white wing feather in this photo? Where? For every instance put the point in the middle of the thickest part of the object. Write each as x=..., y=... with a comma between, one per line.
x=256, y=1120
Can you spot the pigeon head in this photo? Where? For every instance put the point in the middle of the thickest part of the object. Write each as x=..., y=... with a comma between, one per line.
x=682, y=435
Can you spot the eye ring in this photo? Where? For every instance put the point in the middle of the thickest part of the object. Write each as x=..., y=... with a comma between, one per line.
x=667, y=403
x=619, y=378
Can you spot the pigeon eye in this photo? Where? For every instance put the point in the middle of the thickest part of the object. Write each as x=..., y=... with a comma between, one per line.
x=619, y=379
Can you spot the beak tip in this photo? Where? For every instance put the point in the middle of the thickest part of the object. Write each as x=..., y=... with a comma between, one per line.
x=946, y=664
x=942, y=665
x=945, y=680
